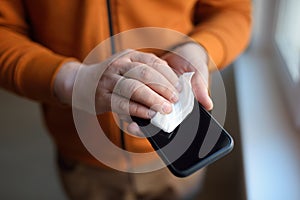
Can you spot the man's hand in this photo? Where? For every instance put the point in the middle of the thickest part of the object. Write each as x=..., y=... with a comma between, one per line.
x=191, y=57
x=140, y=83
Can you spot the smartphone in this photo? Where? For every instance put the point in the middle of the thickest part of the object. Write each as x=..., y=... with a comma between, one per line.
x=197, y=142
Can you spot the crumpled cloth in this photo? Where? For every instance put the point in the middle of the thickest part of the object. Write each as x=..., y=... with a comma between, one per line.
x=181, y=109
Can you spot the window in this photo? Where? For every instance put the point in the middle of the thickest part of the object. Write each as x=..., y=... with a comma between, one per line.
x=287, y=36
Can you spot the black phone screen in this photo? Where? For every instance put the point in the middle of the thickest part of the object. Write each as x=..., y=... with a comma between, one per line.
x=198, y=141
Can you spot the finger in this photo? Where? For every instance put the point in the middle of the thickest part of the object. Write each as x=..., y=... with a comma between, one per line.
x=177, y=62
x=132, y=127
x=142, y=94
x=147, y=58
x=158, y=64
x=124, y=106
x=195, y=63
x=155, y=80
x=169, y=74
x=201, y=92
x=124, y=117
x=135, y=129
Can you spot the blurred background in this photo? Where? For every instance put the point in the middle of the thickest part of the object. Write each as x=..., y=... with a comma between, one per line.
x=263, y=116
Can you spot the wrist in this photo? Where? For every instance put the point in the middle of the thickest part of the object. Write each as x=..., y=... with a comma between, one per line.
x=64, y=81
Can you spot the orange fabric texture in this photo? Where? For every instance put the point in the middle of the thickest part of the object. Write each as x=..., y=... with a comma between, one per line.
x=37, y=37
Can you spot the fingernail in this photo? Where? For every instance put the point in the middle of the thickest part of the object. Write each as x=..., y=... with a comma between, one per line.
x=166, y=107
x=178, y=86
x=174, y=97
x=151, y=113
x=133, y=128
x=210, y=103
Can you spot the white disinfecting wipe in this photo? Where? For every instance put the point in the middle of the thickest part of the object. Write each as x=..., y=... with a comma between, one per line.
x=180, y=110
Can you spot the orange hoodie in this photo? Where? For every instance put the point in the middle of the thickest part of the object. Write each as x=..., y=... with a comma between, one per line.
x=37, y=37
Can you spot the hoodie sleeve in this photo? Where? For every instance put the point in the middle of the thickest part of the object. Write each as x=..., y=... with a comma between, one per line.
x=26, y=67
x=223, y=28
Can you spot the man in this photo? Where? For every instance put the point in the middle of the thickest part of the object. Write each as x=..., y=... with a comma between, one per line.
x=42, y=45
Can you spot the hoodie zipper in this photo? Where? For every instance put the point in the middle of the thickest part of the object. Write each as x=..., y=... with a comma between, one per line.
x=111, y=28
x=113, y=51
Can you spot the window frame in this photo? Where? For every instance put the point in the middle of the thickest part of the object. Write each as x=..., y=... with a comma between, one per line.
x=290, y=88
x=283, y=46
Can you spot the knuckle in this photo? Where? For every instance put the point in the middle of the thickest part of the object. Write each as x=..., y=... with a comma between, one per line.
x=164, y=62
x=134, y=109
x=151, y=55
x=145, y=73
x=135, y=54
x=123, y=105
x=117, y=62
x=153, y=59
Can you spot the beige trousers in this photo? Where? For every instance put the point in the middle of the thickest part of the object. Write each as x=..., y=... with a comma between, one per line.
x=82, y=182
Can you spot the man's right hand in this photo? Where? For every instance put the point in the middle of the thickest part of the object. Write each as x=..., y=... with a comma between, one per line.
x=133, y=81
